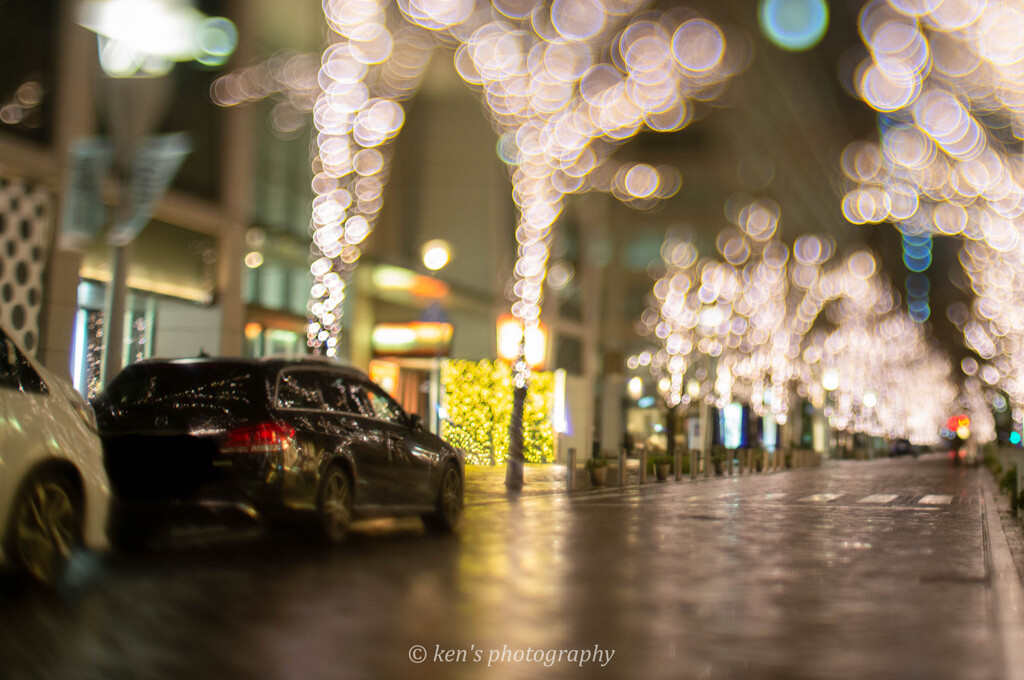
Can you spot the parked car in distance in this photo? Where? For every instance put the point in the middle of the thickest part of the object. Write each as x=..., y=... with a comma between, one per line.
x=54, y=493
x=269, y=438
x=902, y=447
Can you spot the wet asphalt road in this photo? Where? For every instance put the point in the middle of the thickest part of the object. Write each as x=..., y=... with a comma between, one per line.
x=852, y=570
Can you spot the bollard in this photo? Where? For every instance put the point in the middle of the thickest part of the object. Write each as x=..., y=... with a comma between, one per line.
x=694, y=462
x=643, y=466
x=570, y=471
x=622, y=468
x=679, y=464
x=729, y=468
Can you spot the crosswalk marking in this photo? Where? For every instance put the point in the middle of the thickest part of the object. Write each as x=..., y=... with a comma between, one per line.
x=879, y=498
x=936, y=500
x=822, y=497
x=774, y=496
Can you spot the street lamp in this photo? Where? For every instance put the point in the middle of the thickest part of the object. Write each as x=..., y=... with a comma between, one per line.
x=138, y=41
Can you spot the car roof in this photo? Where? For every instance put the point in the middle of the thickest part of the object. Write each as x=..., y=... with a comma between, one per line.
x=275, y=362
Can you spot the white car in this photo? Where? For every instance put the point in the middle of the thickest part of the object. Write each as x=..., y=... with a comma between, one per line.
x=54, y=492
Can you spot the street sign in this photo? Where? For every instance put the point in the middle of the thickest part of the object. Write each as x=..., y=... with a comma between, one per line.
x=84, y=212
x=153, y=167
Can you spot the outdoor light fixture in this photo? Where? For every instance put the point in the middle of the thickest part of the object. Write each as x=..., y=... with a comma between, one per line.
x=146, y=37
x=436, y=254
x=636, y=387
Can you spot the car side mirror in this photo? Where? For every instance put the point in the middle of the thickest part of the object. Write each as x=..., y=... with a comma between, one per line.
x=415, y=422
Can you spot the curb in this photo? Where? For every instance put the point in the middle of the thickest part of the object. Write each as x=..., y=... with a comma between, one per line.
x=1005, y=583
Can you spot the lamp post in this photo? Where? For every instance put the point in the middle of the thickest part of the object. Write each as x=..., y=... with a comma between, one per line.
x=139, y=42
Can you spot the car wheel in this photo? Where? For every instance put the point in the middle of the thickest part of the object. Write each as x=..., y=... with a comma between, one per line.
x=449, y=502
x=46, y=527
x=334, y=505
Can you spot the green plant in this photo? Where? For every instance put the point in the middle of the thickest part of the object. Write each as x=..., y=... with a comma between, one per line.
x=654, y=461
x=595, y=463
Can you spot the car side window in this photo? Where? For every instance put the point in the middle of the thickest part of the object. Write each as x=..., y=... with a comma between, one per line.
x=338, y=395
x=378, y=405
x=16, y=372
x=299, y=390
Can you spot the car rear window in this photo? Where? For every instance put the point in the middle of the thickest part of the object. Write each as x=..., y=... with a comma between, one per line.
x=184, y=385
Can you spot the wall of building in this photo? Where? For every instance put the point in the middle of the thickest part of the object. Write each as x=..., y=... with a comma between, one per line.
x=185, y=329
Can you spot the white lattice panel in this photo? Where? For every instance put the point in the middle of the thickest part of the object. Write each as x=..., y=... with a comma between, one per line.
x=25, y=214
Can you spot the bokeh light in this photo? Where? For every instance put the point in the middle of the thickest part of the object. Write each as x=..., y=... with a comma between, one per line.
x=794, y=25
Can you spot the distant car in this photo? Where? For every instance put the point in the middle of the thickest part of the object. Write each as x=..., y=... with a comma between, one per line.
x=269, y=438
x=902, y=447
x=54, y=493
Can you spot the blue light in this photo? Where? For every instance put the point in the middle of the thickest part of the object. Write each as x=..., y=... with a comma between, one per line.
x=919, y=305
x=645, y=402
x=794, y=25
x=918, y=315
x=918, y=285
x=917, y=240
x=1015, y=437
x=917, y=264
x=917, y=246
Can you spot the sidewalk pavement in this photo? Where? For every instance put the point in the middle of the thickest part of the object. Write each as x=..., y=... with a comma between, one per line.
x=486, y=483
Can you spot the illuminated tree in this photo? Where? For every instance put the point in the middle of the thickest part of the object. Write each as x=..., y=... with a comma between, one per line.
x=478, y=409
x=944, y=163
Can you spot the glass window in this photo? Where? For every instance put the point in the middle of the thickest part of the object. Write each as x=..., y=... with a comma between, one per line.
x=199, y=384
x=376, y=404
x=299, y=390
x=339, y=397
x=16, y=372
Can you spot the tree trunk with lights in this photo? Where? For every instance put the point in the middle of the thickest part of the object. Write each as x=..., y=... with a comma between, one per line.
x=516, y=459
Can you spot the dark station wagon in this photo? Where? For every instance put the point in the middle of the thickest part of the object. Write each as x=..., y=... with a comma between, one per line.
x=269, y=438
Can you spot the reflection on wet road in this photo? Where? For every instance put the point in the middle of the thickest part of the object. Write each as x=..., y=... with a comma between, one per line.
x=852, y=570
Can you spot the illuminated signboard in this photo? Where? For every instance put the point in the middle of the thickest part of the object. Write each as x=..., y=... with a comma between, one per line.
x=414, y=339
x=396, y=279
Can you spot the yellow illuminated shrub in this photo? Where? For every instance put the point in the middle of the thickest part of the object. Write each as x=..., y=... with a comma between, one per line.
x=478, y=410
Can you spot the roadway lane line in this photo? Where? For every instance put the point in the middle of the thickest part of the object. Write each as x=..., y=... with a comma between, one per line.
x=1008, y=594
x=821, y=498
x=879, y=498
x=936, y=500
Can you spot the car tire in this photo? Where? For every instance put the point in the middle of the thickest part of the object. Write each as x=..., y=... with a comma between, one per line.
x=449, y=502
x=334, y=505
x=46, y=526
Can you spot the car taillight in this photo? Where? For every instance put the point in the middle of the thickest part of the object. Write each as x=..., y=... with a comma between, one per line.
x=262, y=438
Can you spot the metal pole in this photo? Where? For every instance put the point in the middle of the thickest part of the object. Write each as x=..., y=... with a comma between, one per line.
x=643, y=465
x=570, y=471
x=679, y=465
x=622, y=468
x=113, y=323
